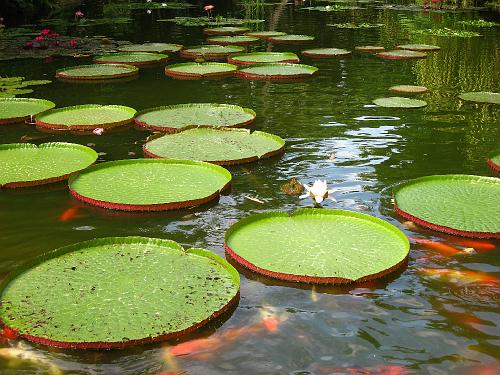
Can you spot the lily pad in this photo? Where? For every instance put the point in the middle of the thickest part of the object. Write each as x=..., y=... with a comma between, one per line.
x=117, y=291
x=150, y=184
x=481, y=97
x=419, y=47
x=236, y=40
x=210, y=52
x=279, y=71
x=263, y=57
x=325, y=53
x=194, y=70
x=291, y=39
x=175, y=117
x=265, y=34
x=399, y=102
x=132, y=58
x=226, y=30
x=85, y=117
x=317, y=246
x=218, y=146
x=26, y=164
x=151, y=47
x=402, y=55
x=19, y=109
x=456, y=204
x=494, y=160
x=408, y=89
x=369, y=49
x=97, y=72
x=350, y=25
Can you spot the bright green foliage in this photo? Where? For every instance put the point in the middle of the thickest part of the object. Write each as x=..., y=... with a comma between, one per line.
x=132, y=57
x=265, y=57
x=447, y=32
x=481, y=97
x=280, y=69
x=479, y=23
x=22, y=107
x=97, y=70
x=12, y=86
x=266, y=34
x=90, y=114
x=350, y=25
x=205, y=21
x=399, y=102
x=235, y=39
x=208, y=49
x=229, y=30
x=151, y=47
x=293, y=38
x=332, y=52
x=201, y=68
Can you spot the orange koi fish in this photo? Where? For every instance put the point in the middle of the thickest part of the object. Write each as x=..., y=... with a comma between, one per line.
x=463, y=276
x=435, y=245
x=70, y=213
x=478, y=245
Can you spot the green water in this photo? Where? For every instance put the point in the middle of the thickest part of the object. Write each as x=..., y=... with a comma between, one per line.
x=333, y=132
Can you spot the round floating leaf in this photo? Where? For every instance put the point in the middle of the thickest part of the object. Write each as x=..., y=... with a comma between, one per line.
x=276, y=71
x=115, y=292
x=194, y=70
x=494, y=160
x=86, y=117
x=19, y=109
x=317, y=246
x=291, y=39
x=323, y=53
x=150, y=184
x=419, y=47
x=402, y=55
x=210, y=52
x=218, y=146
x=408, y=89
x=456, y=204
x=174, y=117
x=152, y=47
x=226, y=30
x=369, y=49
x=263, y=57
x=481, y=97
x=237, y=40
x=399, y=102
x=265, y=34
x=132, y=58
x=25, y=164
x=97, y=72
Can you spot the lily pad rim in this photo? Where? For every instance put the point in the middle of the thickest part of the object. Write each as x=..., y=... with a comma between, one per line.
x=224, y=30
x=342, y=53
x=491, y=162
x=243, y=73
x=133, y=70
x=173, y=73
x=50, y=105
x=290, y=57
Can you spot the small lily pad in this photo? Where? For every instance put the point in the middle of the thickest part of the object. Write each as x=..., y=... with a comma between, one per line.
x=265, y=34
x=408, y=89
x=402, y=55
x=194, y=70
x=279, y=71
x=419, y=47
x=226, y=30
x=236, y=40
x=218, y=146
x=14, y=110
x=97, y=72
x=291, y=39
x=481, y=97
x=116, y=292
x=399, y=102
x=350, y=25
x=369, y=49
x=151, y=47
x=325, y=53
x=132, y=58
x=263, y=58
x=210, y=52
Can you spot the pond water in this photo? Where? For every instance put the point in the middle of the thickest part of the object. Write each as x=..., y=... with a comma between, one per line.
x=408, y=322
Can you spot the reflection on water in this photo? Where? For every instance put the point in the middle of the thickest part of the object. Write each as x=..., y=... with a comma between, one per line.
x=408, y=323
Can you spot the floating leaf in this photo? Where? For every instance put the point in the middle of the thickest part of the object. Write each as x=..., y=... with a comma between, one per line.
x=291, y=39
x=419, y=47
x=97, y=72
x=236, y=40
x=447, y=32
x=210, y=52
x=408, y=89
x=481, y=97
x=20, y=109
x=226, y=30
x=195, y=70
x=265, y=34
x=36, y=82
x=132, y=58
x=325, y=53
x=263, y=57
x=279, y=71
x=151, y=47
x=369, y=49
x=350, y=25
x=402, y=55
x=399, y=102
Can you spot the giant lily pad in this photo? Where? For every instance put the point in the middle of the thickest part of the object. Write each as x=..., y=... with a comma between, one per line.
x=456, y=204
x=369, y=49
x=85, y=117
x=402, y=55
x=317, y=246
x=194, y=70
x=408, y=89
x=263, y=58
x=150, y=184
x=218, y=146
x=279, y=71
x=291, y=39
x=26, y=164
x=265, y=34
x=97, y=72
x=132, y=58
x=174, y=117
x=19, y=109
x=400, y=102
x=236, y=40
x=481, y=97
x=494, y=160
x=419, y=47
x=210, y=52
x=325, y=53
x=151, y=47
x=226, y=30
x=115, y=292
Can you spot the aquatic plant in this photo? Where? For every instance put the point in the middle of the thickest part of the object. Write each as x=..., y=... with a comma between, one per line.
x=97, y=72
x=479, y=23
x=276, y=71
x=446, y=32
x=205, y=21
x=20, y=109
x=350, y=25
x=193, y=70
x=12, y=86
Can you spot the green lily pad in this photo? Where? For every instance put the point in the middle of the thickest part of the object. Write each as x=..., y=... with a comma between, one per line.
x=19, y=109
x=324, y=53
x=263, y=57
x=25, y=164
x=236, y=40
x=419, y=47
x=481, y=97
x=408, y=89
x=317, y=246
x=226, y=30
x=194, y=70
x=291, y=39
x=151, y=47
x=97, y=72
x=279, y=71
x=456, y=204
x=218, y=146
x=399, y=102
x=479, y=23
x=150, y=184
x=265, y=34
x=115, y=292
x=175, y=117
x=132, y=58
x=85, y=117
x=210, y=52
x=446, y=32
x=493, y=160
x=402, y=54
x=369, y=49
x=350, y=25
x=35, y=82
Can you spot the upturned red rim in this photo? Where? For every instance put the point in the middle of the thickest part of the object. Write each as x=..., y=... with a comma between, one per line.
x=390, y=56
x=62, y=76
x=230, y=60
x=82, y=127
x=495, y=167
x=13, y=120
x=326, y=55
x=228, y=43
x=193, y=76
x=273, y=77
x=212, y=56
x=289, y=41
x=45, y=181
x=134, y=63
x=369, y=49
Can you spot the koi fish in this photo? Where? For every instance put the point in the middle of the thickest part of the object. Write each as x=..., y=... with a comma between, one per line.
x=465, y=319
x=69, y=214
x=435, y=245
x=21, y=354
x=481, y=245
x=463, y=276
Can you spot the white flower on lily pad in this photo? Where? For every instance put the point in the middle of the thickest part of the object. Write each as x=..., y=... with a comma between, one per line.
x=318, y=192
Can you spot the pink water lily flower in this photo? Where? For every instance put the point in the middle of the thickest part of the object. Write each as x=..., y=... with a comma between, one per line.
x=208, y=7
x=79, y=13
x=318, y=192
